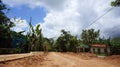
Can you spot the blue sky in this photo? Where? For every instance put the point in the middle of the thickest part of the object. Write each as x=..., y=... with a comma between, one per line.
x=25, y=12
x=71, y=15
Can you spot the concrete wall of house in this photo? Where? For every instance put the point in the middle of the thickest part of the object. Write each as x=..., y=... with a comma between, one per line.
x=98, y=50
x=102, y=50
x=91, y=50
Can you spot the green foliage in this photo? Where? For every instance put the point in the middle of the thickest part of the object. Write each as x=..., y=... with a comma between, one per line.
x=73, y=44
x=103, y=41
x=22, y=47
x=35, y=38
x=115, y=3
x=49, y=44
x=7, y=50
x=5, y=25
x=66, y=42
x=89, y=36
x=115, y=45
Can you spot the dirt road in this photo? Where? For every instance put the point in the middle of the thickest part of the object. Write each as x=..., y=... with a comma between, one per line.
x=55, y=59
x=64, y=60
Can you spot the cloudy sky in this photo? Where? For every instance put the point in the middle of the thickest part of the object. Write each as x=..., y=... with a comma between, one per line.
x=71, y=15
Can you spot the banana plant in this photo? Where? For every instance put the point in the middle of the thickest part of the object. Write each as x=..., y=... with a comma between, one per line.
x=35, y=37
x=39, y=37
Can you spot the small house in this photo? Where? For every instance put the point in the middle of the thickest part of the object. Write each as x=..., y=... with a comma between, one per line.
x=100, y=49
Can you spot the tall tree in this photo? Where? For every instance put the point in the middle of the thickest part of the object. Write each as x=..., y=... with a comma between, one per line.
x=73, y=44
x=89, y=36
x=5, y=25
x=66, y=42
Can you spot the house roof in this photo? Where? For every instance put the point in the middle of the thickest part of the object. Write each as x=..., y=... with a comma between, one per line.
x=98, y=45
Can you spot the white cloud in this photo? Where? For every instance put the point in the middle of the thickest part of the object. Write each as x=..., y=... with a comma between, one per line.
x=73, y=15
x=20, y=24
x=49, y=4
x=76, y=16
x=66, y=19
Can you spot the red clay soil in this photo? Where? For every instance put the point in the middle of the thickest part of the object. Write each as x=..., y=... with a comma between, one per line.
x=30, y=61
x=55, y=59
x=111, y=60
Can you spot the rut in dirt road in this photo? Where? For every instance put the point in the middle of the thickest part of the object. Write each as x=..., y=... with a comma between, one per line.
x=54, y=59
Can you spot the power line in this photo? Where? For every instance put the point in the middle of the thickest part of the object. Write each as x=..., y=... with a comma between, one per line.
x=100, y=17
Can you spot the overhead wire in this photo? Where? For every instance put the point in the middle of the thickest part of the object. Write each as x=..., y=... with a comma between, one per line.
x=100, y=17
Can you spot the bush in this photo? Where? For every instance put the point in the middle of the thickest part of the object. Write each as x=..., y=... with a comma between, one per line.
x=7, y=50
x=116, y=48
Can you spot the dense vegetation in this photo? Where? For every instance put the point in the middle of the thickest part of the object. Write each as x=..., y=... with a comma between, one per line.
x=35, y=41
x=115, y=3
x=5, y=25
x=66, y=42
